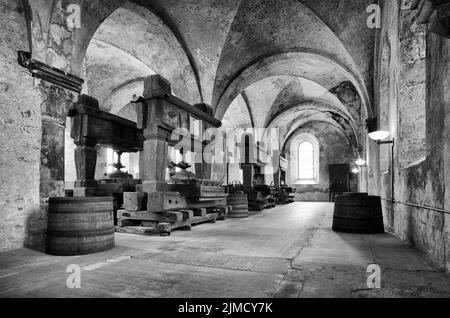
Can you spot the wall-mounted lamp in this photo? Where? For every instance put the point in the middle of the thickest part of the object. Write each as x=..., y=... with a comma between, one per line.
x=355, y=171
x=50, y=74
x=360, y=162
x=380, y=136
x=376, y=135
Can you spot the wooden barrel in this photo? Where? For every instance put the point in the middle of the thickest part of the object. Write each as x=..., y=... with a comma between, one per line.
x=239, y=204
x=355, y=194
x=358, y=213
x=79, y=226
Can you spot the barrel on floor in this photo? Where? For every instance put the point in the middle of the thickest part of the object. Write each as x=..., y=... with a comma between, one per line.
x=358, y=213
x=79, y=226
x=239, y=204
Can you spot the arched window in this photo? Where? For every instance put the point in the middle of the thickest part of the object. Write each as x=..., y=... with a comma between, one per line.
x=306, y=162
x=304, y=166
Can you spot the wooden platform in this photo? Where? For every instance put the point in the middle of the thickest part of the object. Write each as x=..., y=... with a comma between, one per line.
x=162, y=223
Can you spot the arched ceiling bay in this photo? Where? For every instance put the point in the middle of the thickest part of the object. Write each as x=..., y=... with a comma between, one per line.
x=285, y=101
x=272, y=38
x=313, y=67
x=130, y=44
x=203, y=26
x=311, y=117
x=238, y=115
x=262, y=95
x=300, y=111
x=298, y=91
x=123, y=95
x=107, y=68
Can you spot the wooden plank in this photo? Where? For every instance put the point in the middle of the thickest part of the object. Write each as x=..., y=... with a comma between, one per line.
x=149, y=223
x=183, y=225
x=137, y=230
x=161, y=229
x=204, y=219
x=145, y=216
x=175, y=216
x=205, y=204
x=124, y=223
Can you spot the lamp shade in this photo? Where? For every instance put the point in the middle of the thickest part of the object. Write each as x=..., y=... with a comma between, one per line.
x=379, y=135
x=360, y=162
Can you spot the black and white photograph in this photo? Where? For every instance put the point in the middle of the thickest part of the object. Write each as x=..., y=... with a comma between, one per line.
x=223, y=155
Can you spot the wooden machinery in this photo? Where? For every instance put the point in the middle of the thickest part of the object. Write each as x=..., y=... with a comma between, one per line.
x=164, y=121
x=185, y=198
x=260, y=195
x=92, y=127
x=284, y=192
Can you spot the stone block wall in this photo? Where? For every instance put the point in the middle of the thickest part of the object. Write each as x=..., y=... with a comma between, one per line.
x=418, y=110
x=20, y=135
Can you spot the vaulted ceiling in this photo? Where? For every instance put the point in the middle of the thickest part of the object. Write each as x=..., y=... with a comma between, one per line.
x=259, y=63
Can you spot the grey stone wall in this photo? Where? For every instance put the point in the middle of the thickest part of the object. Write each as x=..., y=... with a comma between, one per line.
x=423, y=183
x=20, y=134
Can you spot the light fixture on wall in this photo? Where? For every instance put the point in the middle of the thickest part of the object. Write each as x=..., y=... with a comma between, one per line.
x=360, y=162
x=360, y=155
x=50, y=74
x=380, y=136
x=355, y=171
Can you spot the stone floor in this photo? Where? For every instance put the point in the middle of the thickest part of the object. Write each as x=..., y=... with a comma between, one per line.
x=289, y=251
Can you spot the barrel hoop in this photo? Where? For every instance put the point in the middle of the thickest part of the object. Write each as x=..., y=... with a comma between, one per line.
x=81, y=234
x=358, y=219
x=81, y=212
x=65, y=200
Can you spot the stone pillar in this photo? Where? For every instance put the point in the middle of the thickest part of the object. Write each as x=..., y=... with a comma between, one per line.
x=446, y=159
x=447, y=187
x=54, y=109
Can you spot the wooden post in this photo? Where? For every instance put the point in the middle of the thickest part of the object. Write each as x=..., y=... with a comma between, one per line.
x=85, y=162
x=85, y=152
x=153, y=160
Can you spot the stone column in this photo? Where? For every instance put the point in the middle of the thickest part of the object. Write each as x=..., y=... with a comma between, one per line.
x=446, y=159
x=54, y=109
x=447, y=187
